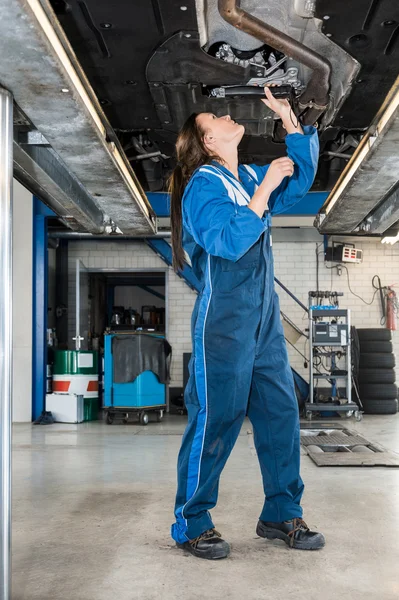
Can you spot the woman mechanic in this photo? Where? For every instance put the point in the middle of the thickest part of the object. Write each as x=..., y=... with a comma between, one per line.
x=221, y=217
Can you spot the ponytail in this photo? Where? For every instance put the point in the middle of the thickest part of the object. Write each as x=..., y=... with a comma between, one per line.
x=176, y=190
x=191, y=154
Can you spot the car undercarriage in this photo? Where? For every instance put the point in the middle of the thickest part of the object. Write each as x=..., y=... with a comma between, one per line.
x=153, y=63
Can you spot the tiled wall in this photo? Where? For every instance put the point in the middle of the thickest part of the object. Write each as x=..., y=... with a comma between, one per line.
x=137, y=255
x=22, y=304
x=295, y=266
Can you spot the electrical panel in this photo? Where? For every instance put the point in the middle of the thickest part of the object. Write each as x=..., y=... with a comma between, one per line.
x=330, y=333
x=353, y=255
x=330, y=357
x=343, y=253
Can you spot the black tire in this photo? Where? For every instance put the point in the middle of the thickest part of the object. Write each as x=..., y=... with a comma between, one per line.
x=378, y=391
x=385, y=347
x=376, y=376
x=110, y=418
x=374, y=335
x=380, y=407
x=355, y=351
x=374, y=359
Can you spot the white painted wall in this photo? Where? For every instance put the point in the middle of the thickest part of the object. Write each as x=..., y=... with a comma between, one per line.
x=22, y=304
x=137, y=255
x=295, y=266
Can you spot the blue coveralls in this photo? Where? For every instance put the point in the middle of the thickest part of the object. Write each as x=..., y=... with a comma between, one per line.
x=239, y=361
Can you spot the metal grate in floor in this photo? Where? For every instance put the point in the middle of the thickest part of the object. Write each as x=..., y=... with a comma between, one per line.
x=331, y=437
x=346, y=448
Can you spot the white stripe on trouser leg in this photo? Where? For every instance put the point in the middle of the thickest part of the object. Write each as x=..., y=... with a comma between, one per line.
x=208, y=273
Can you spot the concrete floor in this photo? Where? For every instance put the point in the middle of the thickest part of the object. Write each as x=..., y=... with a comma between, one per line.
x=93, y=505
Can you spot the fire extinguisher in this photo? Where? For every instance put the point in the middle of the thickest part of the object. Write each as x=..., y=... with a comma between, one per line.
x=392, y=309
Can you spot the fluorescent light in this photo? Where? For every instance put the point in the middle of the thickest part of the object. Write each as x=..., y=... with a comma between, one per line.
x=387, y=110
x=336, y=193
x=390, y=239
x=49, y=31
x=109, y=229
x=127, y=177
x=393, y=104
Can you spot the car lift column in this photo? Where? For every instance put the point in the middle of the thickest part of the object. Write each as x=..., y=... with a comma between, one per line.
x=6, y=174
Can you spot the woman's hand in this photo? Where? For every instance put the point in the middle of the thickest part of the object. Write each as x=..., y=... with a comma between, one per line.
x=283, y=109
x=280, y=106
x=279, y=168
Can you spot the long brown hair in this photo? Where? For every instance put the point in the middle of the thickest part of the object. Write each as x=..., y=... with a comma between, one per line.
x=191, y=153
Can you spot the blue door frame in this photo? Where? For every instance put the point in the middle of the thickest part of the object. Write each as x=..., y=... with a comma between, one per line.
x=39, y=330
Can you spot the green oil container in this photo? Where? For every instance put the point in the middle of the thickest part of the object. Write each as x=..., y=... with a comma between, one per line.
x=76, y=372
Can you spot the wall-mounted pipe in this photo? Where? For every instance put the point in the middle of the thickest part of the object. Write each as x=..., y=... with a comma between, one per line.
x=315, y=98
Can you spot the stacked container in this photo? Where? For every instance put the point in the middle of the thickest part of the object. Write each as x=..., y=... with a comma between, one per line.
x=76, y=372
x=378, y=390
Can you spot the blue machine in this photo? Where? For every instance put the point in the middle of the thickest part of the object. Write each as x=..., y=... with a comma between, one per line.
x=143, y=395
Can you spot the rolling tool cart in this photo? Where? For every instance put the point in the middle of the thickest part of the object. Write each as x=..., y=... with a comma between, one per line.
x=330, y=346
x=136, y=369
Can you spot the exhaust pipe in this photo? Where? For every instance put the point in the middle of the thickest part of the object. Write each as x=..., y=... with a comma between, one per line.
x=314, y=100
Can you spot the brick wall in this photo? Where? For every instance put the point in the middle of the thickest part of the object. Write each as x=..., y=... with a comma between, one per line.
x=295, y=266
x=137, y=255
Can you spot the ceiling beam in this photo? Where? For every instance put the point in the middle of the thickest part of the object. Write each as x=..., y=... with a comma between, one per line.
x=370, y=175
x=40, y=68
x=386, y=215
x=42, y=172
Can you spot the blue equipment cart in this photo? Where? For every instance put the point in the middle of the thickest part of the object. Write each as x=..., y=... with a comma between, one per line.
x=143, y=395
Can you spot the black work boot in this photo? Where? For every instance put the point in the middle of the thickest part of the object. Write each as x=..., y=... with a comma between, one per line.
x=208, y=545
x=295, y=533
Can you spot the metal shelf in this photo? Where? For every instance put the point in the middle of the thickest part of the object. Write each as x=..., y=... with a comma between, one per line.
x=330, y=344
x=332, y=313
x=331, y=348
x=324, y=406
x=329, y=376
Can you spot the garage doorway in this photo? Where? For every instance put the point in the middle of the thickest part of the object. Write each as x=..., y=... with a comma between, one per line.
x=123, y=300
x=107, y=301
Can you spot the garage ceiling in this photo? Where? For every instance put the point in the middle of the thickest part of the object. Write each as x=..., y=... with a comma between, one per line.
x=104, y=84
x=56, y=103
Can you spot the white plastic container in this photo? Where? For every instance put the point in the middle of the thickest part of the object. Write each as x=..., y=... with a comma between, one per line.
x=66, y=408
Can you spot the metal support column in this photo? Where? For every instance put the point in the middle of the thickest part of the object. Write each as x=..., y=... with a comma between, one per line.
x=6, y=143
x=39, y=305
